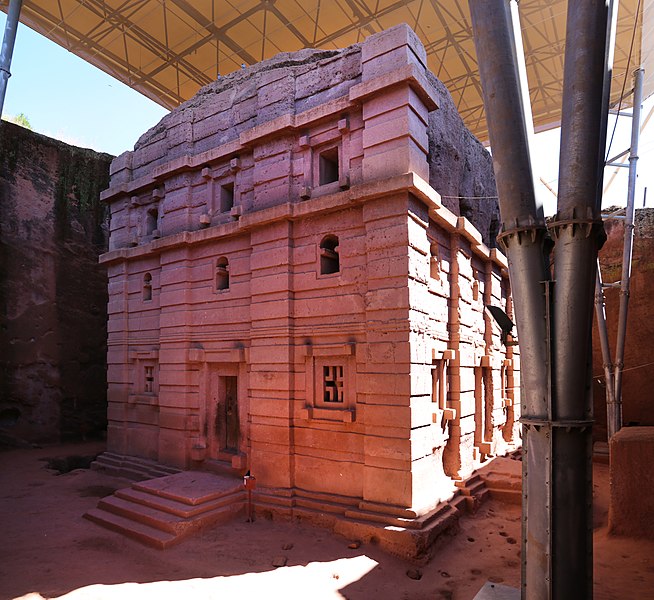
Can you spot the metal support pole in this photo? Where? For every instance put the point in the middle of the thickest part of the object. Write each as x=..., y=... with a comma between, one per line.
x=524, y=236
x=600, y=313
x=578, y=232
x=8, y=47
x=615, y=419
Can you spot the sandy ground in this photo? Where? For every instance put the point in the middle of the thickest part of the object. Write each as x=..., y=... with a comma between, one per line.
x=48, y=550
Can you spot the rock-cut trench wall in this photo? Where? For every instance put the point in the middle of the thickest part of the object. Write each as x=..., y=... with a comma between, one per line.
x=53, y=293
x=638, y=380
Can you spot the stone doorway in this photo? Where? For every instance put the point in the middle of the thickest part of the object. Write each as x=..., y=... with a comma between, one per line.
x=223, y=418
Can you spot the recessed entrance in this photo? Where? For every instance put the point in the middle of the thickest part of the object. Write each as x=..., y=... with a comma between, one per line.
x=223, y=421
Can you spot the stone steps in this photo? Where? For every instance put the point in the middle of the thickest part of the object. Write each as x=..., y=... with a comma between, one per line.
x=163, y=511
x=132, y=529
x=384, y=519
x=129, y=467
x=474, y=491
x=505, y=487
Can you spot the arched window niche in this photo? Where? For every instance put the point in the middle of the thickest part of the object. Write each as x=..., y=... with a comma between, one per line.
x=329, y=258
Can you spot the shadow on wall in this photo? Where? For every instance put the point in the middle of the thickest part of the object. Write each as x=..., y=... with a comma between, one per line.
x=53, y=293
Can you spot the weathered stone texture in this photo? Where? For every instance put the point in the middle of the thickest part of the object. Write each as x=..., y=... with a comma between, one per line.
x=53, y=292
x=638, y=378
x=632, y=482
x=460, y=168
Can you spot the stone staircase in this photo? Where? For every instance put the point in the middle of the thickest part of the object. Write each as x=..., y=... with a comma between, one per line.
x=505, y=487
x=130, y=467
x=474, y=492
x=163, y=511
x=399, y=531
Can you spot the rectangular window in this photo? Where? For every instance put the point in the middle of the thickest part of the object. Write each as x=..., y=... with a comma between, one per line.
x=328, y=166
x=226, y=197
x=149, y=380
x=333, y=384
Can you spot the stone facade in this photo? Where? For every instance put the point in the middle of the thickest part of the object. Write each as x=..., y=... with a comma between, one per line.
x=289, y=295
x=53, y=293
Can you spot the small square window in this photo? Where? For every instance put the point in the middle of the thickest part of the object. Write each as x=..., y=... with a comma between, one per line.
x=328, y=166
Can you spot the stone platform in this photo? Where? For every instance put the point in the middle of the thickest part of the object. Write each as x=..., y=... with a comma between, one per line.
x=163, y=511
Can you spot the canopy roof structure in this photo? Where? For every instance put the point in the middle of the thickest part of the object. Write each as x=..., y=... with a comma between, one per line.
x=168, y=49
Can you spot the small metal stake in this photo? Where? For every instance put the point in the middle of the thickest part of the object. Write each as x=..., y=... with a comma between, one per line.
x=250, y=483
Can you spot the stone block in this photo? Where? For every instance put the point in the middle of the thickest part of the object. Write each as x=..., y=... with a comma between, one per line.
x=329, y=476
x=387, y=486
x=384, y=42
x=632, y=482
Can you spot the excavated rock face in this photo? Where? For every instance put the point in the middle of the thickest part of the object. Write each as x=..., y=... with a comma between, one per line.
x=460, y=169
x=638, y=379
x=52, y=291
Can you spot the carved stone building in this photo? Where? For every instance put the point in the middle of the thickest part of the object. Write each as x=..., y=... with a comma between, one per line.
x=289, y=293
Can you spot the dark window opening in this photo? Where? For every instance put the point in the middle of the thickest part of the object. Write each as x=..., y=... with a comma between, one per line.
x=226, y=197
x=222, y=274
x=328, y=166
x=329, y=258
x=147, y=287
x=333, y=384
x=149, y=380
x=151, y=221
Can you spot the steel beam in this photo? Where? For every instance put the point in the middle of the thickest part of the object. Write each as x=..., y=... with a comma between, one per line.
x=7, y=50
x=600, y=314
x=578, y=232
x=524, y=236
x=615, y=413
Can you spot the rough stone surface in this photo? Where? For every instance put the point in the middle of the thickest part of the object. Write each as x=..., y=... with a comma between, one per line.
x=638, y=378
x=53, y=292
x=460, y=168
x=632, y=482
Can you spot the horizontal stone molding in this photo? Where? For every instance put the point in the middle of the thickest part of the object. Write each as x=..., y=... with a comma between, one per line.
x=199, y=355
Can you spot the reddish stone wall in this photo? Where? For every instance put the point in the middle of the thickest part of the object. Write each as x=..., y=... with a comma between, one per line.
x=52, y=290
x=638, y=379
x=289, y=294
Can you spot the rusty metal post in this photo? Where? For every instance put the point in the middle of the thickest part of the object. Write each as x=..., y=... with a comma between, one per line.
x=524, y=236
x=578, y=232
x=11, y=26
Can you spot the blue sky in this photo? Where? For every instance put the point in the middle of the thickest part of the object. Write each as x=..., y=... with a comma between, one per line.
x=68, y=99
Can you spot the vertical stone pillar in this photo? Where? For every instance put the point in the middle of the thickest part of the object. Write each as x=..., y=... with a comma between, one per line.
x=118, y=379
x=177, y=385
x=384, y=381
x=272, y=369
x=395, y=139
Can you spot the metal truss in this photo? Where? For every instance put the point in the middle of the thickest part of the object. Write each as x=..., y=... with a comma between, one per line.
x=168, y=49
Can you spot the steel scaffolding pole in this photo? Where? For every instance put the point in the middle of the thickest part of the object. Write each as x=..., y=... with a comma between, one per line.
x=600, y=313
x=614, y=422
x=554, y=321
x=578, y=233
x=8, y=47
x=524, y=236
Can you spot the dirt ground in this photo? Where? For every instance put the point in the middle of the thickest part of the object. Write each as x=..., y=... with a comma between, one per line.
x=48, y=550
